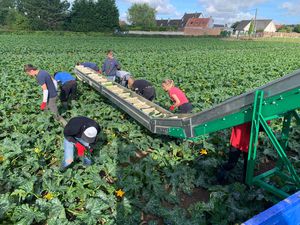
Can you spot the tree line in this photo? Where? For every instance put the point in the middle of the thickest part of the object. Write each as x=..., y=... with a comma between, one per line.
x=82, y=15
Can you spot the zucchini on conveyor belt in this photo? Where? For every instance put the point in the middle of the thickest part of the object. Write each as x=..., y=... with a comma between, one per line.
x=232, y=112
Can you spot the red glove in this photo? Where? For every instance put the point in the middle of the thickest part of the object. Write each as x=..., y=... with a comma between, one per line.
x=172, y=107
x=80, y=149
x=43, y=105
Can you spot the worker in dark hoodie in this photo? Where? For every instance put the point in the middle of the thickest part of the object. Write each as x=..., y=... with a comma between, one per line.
x=79, y=133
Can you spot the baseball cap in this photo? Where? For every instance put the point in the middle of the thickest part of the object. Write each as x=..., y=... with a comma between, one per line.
x=89, y=135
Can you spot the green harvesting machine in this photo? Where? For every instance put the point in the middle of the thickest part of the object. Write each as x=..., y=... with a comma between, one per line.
x=277, y=99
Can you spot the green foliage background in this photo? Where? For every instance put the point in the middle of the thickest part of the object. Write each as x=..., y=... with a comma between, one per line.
x=209, y=70
x=142, y=15
x=81, y=15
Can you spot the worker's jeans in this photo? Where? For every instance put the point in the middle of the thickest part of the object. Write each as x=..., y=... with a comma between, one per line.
x=69, y=153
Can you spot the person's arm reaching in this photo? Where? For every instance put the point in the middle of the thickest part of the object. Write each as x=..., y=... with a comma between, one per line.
x=176, y=104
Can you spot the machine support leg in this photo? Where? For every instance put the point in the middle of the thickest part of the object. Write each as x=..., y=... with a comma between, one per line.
x=285, y=130
x=257, y=120
x=254, y=136
x=282, y=155
x=285, y=135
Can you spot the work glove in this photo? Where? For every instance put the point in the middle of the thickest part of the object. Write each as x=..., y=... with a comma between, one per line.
x=172, y=107
x=80, y=148
x=43, y=105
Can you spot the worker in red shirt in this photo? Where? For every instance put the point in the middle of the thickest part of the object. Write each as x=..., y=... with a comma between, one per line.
x=177, y=96
x=239, y=143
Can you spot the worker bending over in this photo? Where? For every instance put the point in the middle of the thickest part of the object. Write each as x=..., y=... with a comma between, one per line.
x=122, y=77
x=142, y=87
x=177, y=96
x=48, y=85
x=68, y=87
x=80, y=132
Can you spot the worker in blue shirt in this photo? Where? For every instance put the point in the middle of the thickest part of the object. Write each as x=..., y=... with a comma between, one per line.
x=110, y=66
x=68, y=87
x=90, y=65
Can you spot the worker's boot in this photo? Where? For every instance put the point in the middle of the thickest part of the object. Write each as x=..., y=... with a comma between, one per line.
x=222, y=175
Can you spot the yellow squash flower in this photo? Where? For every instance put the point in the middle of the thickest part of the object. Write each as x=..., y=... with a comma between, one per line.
x=37, y=150
x=120, y=193
x=203, y=151
x=49, y=196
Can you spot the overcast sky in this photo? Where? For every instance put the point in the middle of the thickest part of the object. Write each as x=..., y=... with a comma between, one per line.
x=223, y=11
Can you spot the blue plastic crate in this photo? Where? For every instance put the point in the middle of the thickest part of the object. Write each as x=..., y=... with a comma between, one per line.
x=286, y=212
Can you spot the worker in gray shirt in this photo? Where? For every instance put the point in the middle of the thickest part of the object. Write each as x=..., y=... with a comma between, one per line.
x=49, y=87
x=110, y=66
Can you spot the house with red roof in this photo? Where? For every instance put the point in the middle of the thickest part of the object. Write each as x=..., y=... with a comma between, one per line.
x=201, y=23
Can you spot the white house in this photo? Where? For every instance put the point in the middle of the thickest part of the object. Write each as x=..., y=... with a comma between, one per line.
x=260, y=26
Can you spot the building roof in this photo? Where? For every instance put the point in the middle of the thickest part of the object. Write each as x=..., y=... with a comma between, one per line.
x=188, y=16
x=176, y=23
x=180, y=23
x=242, y=24
x=260, y=24
x=198, y=22
x=162, y=23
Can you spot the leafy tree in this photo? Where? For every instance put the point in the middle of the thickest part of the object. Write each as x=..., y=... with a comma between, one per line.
x=108, y=15
x=297, y=28
x=251, y=28
x=234, y=25
x=142, y=15
x=5, y=7
x=88, y=15
x=82, y=16
x=45, y=14
x=17, y=21
x=286, y=29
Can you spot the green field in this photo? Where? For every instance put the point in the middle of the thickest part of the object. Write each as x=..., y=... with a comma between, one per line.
x=166, y=181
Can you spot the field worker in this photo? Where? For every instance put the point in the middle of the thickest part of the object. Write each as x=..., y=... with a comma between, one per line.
x=90, y=65
x=48, y=86
x=110, y=66
x=68, y=87
x=239, y=144
x=122, y=77
x=80, y=132
x=142, y=87
x=177, y=96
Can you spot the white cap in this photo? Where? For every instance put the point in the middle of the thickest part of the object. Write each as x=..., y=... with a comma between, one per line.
x=89, y=135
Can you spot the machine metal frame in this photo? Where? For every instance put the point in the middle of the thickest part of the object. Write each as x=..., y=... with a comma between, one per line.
x=277, y=99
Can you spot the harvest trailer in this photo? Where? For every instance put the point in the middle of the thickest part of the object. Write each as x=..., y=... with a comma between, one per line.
x=277, y=99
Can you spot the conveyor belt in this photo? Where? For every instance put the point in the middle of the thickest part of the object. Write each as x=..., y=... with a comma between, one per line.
x=232, y=112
